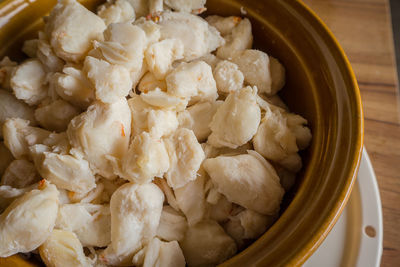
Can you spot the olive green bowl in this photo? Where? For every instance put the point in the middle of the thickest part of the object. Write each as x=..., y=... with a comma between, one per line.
x=320, y=86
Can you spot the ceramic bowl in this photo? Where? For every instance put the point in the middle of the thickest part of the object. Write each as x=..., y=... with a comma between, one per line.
x=320, y=86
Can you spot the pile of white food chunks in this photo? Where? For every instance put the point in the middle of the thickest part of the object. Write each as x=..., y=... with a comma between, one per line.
x=142, y=135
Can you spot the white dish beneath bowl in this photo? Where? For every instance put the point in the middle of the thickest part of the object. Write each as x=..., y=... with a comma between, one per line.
x=356, y=238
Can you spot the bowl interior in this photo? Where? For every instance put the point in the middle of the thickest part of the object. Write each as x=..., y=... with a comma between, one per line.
x=320, y=86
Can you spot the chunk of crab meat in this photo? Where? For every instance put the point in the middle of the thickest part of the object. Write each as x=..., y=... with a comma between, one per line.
x=221, y=210
x=56, y=116
x=277, y=75
x=236, y=120
x=246, y=180
x=224, y=25
x=65, y=171
x=73, y=86
x=160, y=56
x=26, y=233
x=141, y=7
x=206, y=244
x=198, y=118
x=241, y=38
x=111, y=82
x=63, y=248
x=11, y=107
x=57, y=143
x=210, y=59
x=150, y=28
x=160, y=253
x=228, y=77
x=45, y=53
x=19, y=174
x=8, y=194
x=30, y=47
x=185, y=157
x=101, y=132
x=173, y=225
x=197, y=36
x=7, y=67
x=71, y=29
x=164, y=100
x=156, y=6
x=184, y=5
x=146, y=158
x=90, y=222
x=19, y=136
x=28, y=82
x=255, y=66
x=298, y=125
x=119, y=11
x=192, y=80
x=6, y=158
x=150, y=83
x=168, y=192
x=135, y=216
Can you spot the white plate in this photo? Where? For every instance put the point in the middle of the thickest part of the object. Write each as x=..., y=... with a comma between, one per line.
x=356, y=238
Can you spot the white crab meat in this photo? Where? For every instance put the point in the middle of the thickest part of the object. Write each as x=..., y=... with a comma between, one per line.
x=297, y=124
x=146, y=158
x=65, y=171
x=168, y=192
x=190, y=198
x=19, y=136
x=28, y=82
x=111, y=82
x=172, y=226
x=135, y=216
x=8, y=194
x=160, y=253
x=63, y=248
x=101, y=134
x=150, y=28
x=206, y=244
x=277, y=75
x=90, y=222
x=198, y=118
x=247, y=180
x=19, y=174
x=141, y=7
x=56, y=116
x=156, y=6
x=236, y=120
x=255, y=66
x=164, y=100
x=224, y=25
x=228, y=77
x=239, y=39
x=119, y=11
x=185, y=5
x=7, y=67
x=10, y=107
x=185, y=157
x=150, y=83
x=160, y=56
x=73, y=86
x=26, y=233
x=210, y=59
x=71, y=29
x=6, y=158
x=197, y=36
x=221, y=210
x=192, y=80
x=46, y=55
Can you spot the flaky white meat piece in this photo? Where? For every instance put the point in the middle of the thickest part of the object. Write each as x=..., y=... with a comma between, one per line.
x=11, y=107
x=63, y=249
x=141, y=7
x=255, y=66
x=150, y=83
x=28, y=82
x=185, y=157
x=7, y=67
x=298, y=125
x=160, y=56
x=224, y=25
x=197, y=36
x=101, y=134
x=8, y=194
x=185, y=5
x=198, y=118
x=56, y=115
x=228, y=77
x=5, y=156
x=111, y=82
x=236, y=120
x=192, y=80
x=221, y=210
x=277, y=75
x=73, y=86
x=150, y=28
x=206, y=244
x=239, y=39
x=119, y=11
x=135, y=216
x=29, y=220
x=146, y=158
x=19, y=174
x=71, y=29
x=173, y=225
x=19, y=136
x=45, y=53
x=247, y=180
x=90, y=222
x=65, y=171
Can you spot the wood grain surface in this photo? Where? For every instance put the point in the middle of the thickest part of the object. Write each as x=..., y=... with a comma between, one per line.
x=363, y=28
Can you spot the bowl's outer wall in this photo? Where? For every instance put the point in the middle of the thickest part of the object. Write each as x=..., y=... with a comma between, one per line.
x=320, y=86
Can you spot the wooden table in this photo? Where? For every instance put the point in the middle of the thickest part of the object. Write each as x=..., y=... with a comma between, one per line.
x=363, y=28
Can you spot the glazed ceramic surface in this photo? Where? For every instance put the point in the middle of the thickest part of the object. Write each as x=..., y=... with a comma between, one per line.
x=320, y=86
